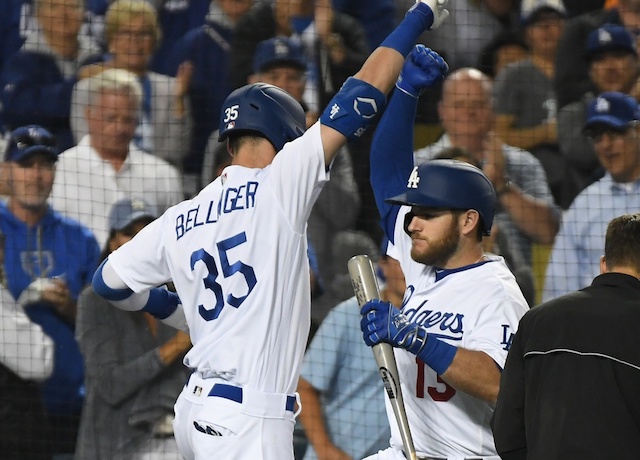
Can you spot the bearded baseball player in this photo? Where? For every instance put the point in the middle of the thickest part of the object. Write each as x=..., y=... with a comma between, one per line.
x=237, y=255
x=461, y=307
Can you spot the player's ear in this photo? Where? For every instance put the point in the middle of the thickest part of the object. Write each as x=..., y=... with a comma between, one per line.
x=603, y=265
x=229, y=148
x=470, y=220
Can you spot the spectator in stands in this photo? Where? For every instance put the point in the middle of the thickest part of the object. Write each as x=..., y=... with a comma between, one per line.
x=471, y=25
x=335, y=43
x=377, y=17
x=525, y=101
x=208, y=49
x=526, y=209
x=506, y=48
x=572, y=67
x=105, y=165
x=132, y=33
x=613, y=66
x=38, y=80
x=48, y=260
x=613, y=125
x=133, y=363
x=26, y=358
x=177, y=18
x=340, y=387
x=10, y=38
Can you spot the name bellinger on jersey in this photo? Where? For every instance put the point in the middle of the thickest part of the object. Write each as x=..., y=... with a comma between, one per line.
x=232, y=199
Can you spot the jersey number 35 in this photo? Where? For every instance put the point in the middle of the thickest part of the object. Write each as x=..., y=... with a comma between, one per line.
x=228, y=269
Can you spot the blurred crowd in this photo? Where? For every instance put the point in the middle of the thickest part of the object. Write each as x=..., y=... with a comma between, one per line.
x=109, y=115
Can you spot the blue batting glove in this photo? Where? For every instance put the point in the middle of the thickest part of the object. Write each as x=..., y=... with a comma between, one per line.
x=382, y=322
x=421, y=69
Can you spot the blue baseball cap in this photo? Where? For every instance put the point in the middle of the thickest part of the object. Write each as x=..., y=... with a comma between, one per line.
x=533, y=10
x=279, y=51
x=29, y=140
x=126, y=211
x=610, y=37
x=612, y=109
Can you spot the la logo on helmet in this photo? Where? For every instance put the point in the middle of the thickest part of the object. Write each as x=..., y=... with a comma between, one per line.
x=414, y=179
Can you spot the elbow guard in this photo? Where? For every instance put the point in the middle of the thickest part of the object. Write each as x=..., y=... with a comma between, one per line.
x=354, y=108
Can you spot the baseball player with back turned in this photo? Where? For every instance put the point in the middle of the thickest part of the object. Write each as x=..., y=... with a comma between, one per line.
x=237, y=255
x=461, y=307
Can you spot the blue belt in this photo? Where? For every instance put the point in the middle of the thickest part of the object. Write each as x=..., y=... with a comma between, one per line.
x=234, y=393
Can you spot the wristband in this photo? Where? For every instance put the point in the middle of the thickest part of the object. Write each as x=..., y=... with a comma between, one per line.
x=436, y=354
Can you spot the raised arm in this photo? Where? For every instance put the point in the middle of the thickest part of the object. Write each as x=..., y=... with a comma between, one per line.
x=363, y=96
x=392, y=147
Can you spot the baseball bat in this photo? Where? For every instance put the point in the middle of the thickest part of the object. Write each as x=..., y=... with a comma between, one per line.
x=365, y=286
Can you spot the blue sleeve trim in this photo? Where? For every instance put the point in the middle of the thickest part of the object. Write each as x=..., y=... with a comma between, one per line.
x=161, y=303
x=105, y=291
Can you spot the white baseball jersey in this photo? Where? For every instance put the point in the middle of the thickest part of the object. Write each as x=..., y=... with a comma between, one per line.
x=477, y=308
x=237, y=254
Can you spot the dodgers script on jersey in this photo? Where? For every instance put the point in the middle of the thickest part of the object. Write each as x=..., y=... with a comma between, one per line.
x=477, y=308
x=240, y=236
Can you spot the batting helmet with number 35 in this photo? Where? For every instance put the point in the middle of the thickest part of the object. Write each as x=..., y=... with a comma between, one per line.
x=265, y=110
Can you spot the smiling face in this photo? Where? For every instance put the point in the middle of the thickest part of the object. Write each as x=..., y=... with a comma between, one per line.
x=132, y=44
x=618, y=152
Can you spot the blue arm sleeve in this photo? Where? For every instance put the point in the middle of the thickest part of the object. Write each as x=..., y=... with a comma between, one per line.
x=392, y=156
x=102, y=289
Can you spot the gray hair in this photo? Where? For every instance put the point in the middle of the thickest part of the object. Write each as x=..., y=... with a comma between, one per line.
x=115, y=80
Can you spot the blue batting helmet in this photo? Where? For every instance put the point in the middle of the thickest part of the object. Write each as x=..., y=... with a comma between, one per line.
x=450, y=184
x=265, y=110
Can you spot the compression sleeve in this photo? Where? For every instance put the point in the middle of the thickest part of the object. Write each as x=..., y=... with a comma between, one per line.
x=392, y=156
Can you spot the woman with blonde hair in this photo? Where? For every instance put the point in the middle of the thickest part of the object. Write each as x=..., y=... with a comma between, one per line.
x=132, y=32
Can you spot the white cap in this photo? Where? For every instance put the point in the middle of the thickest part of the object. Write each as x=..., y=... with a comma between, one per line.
x=529, y=8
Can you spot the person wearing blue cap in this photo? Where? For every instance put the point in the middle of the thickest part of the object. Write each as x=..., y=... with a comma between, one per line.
x=613, y=66
x=281, y=61
x=133, y=364
x=48, y=259
x=612, y=125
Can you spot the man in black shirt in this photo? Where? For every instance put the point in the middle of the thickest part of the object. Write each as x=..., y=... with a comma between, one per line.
x=569, y=389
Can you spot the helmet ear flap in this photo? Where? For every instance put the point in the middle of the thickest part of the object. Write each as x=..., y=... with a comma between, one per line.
x=407, y=220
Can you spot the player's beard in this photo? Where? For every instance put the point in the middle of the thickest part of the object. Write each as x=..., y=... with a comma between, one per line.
x=439, y=251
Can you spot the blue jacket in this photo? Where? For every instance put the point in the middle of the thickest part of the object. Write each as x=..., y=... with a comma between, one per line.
x=208, y=48
x=176, y=18
x=60, y=247
x=34, y=91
